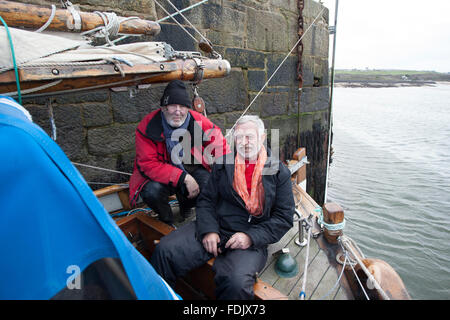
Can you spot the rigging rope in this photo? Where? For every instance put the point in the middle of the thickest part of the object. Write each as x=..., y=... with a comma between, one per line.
x=16, y=72
x=360, y=284
x=52, y=119
x=109, y=183
x=183, y=10
x=344, y=241
x=273, y=74
x=308, y=225
x=192, y=26
x=339, y=278
x=214, y=53
x=98, y=168
x=111, y=27
x=31, y=90
x=179, y=24
x=52, y=15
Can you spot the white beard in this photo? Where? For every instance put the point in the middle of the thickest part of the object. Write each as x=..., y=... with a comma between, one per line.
x=174, y=124
x=253, y=155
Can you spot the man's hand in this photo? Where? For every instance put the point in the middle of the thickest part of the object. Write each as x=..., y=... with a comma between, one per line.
x=191, y=186
x=210, y=241
x=239, y=240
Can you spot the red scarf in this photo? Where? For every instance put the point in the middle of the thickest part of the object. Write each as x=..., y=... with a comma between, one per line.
x=254, y=202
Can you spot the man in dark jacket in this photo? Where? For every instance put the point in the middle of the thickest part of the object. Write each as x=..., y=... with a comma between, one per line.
x=175, y=147
x=246, y=205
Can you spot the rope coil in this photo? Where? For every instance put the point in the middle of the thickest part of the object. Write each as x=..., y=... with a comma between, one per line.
x=110, y=28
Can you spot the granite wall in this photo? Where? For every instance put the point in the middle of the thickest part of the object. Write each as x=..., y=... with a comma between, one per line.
x=97, y=127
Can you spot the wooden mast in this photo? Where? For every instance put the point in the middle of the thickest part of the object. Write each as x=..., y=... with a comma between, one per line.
x=31, y=16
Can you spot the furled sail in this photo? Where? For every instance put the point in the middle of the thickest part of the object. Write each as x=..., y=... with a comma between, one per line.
x=50, y=64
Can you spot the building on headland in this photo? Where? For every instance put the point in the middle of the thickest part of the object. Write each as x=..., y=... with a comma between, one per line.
x=97, y=127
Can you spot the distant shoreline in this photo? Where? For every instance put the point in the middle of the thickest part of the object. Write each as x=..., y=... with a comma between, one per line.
x=369, y=84
x=388, y=78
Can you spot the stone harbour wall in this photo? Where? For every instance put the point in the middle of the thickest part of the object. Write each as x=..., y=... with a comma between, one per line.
x=97, y=127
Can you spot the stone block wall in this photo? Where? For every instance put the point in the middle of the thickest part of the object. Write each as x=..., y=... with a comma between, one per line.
x=97, y=127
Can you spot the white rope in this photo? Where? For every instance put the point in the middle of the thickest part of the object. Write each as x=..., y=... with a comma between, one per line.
x=98, y=168
x=111, y=27
x=31, y=90
x=94, y=87
x=339, y=278
x=109, y=183
x=76, y=17
x=305, y=273
x=179, y=24
x=52, y=119
x=360, y=284
x=192, y=26
x=183, y=10
x=63, y=63
x=50, y=19
x=344, y=240
x=273, y=74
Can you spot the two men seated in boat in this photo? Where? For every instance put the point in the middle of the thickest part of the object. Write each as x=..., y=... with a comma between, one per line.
x=242, y=206
x=170, y=157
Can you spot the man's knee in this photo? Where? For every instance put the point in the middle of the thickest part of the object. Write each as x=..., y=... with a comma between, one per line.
x=154, y=192
x=235, y=287
x=201, y=176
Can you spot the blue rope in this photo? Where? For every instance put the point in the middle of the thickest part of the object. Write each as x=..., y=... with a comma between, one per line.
x=302, y=293
x=131, y=212
x=16, y=72
x=329, y=226
x=119, y=214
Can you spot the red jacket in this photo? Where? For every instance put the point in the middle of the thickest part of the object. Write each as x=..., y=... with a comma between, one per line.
x=152, y=160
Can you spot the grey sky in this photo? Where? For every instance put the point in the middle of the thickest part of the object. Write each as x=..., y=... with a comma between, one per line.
x=392, y=34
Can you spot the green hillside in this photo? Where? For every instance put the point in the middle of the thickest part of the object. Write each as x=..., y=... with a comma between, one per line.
x=389, y=77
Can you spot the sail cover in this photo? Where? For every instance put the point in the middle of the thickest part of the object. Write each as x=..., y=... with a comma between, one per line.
x=29, y=46
x=52, y=223
x=38, y=49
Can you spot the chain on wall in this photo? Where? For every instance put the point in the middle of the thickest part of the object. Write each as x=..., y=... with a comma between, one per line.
x=300, y=5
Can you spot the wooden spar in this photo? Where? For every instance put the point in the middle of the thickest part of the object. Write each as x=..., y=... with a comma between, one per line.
x=31, y=16
x=107, y=75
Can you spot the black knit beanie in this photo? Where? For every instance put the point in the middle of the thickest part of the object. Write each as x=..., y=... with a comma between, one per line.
x=176, y=93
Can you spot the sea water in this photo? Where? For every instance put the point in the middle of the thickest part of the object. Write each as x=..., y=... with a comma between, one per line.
x=390, y=172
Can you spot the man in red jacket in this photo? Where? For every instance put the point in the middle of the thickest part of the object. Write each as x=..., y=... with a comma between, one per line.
x=175, y=147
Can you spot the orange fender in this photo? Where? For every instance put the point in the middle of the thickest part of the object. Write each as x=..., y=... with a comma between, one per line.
x=387, y=278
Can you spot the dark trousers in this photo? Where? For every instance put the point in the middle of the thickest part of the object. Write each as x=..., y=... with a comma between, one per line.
x=235, y=270
x=156, y=195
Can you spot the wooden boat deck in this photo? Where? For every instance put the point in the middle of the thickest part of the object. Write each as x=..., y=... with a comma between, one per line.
x=322, y=275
